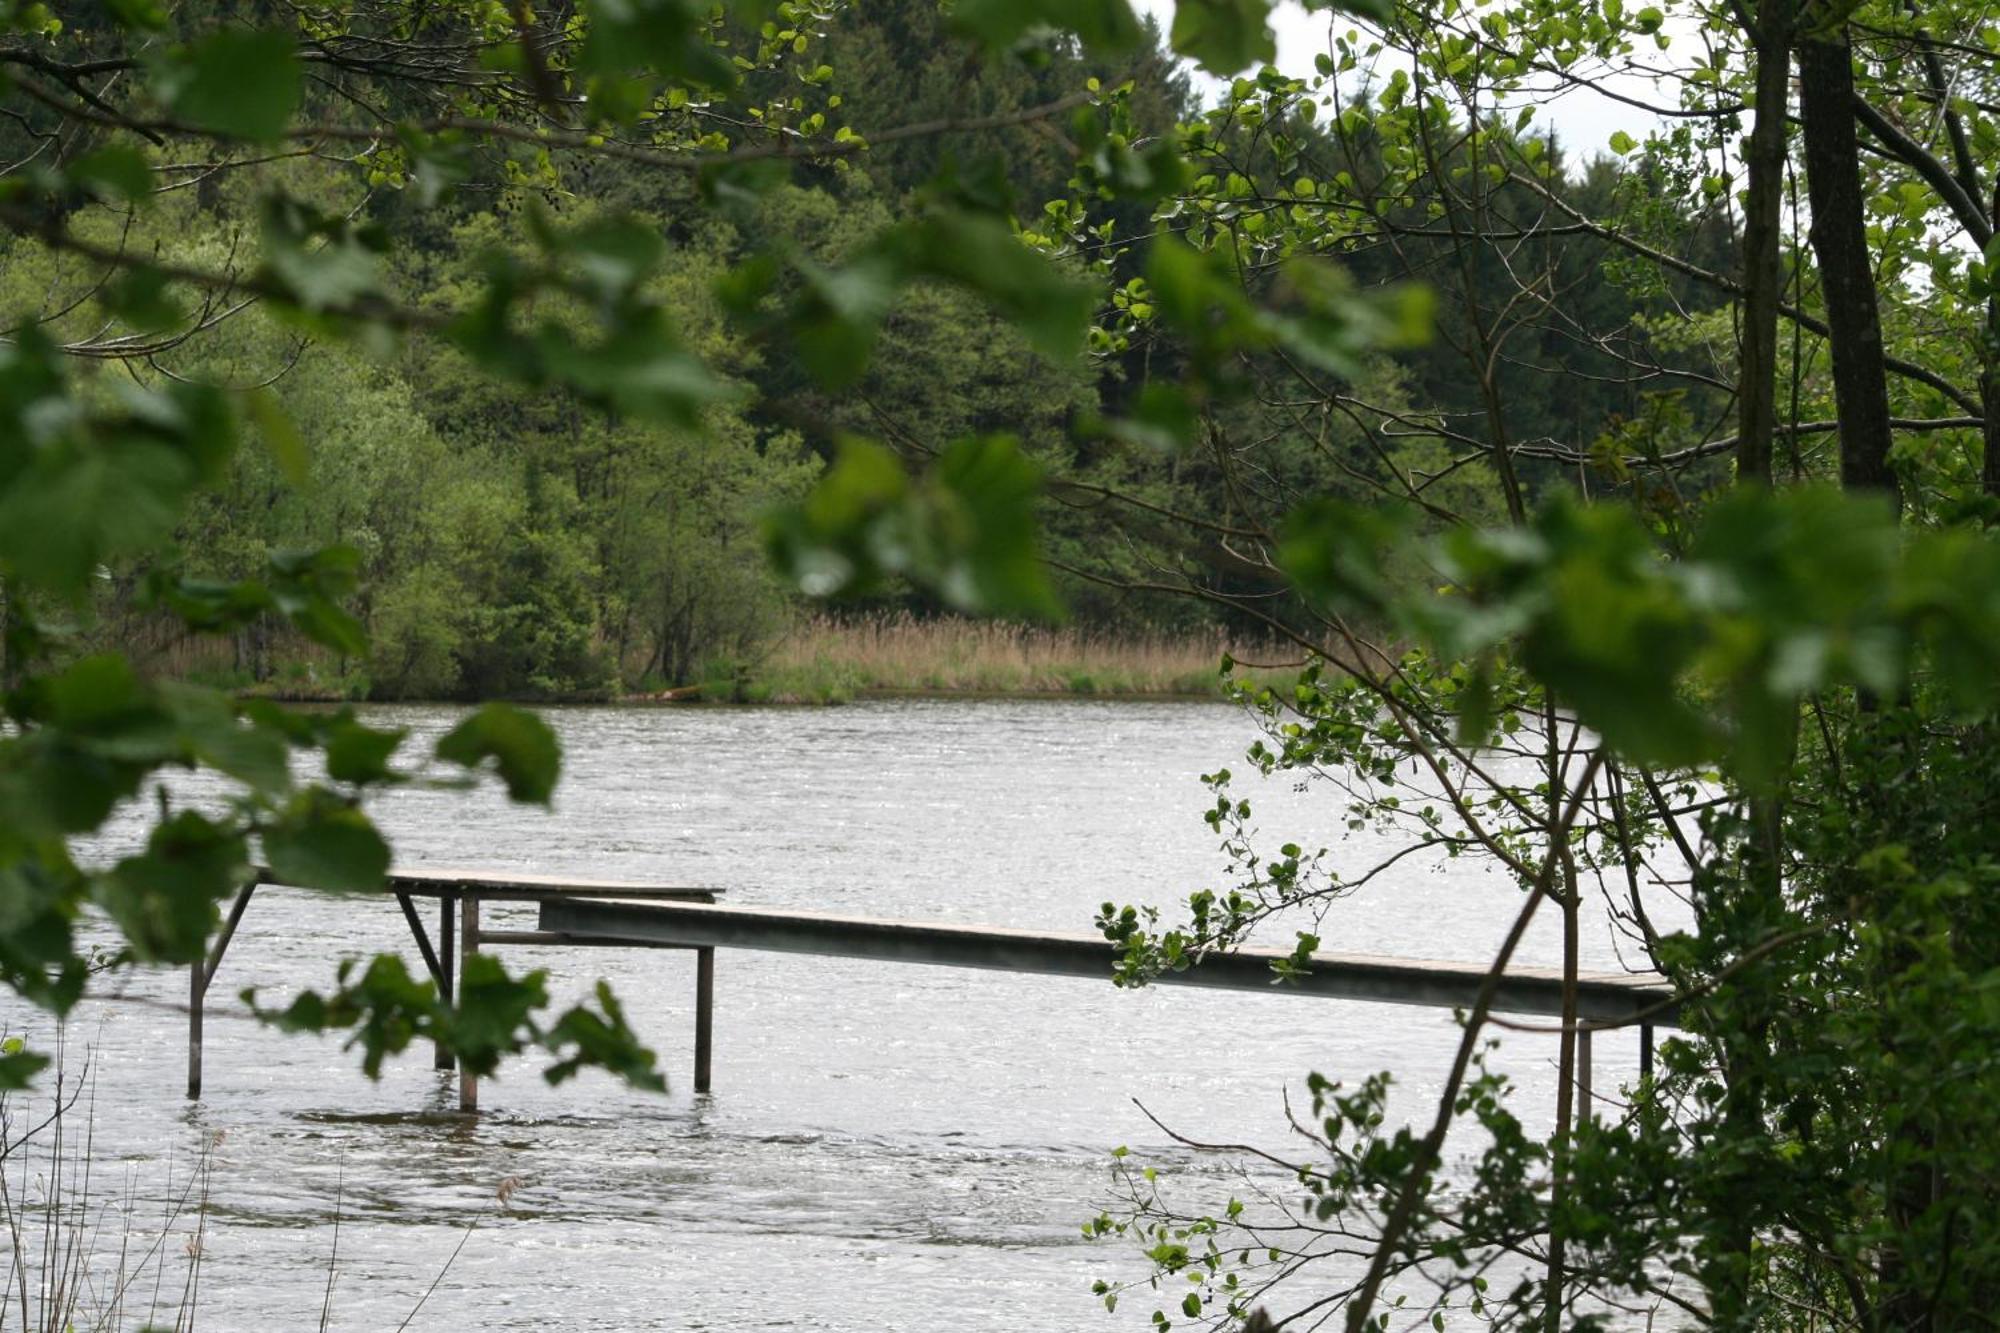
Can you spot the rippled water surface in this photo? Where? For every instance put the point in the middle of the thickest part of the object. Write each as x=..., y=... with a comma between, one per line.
x=886, y=1148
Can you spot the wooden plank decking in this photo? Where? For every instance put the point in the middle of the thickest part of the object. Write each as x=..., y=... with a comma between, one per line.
x=1607, y=997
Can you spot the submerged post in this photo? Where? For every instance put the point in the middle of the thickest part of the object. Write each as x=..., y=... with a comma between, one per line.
x=447, y=951
x=201, y=973
x=704, y=1017
x=468, y=944
x=197, y=987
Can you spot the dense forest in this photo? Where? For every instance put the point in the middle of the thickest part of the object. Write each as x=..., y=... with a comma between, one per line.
x=513, y=543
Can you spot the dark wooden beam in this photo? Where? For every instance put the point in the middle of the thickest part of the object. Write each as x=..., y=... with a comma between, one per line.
x=1601, y=997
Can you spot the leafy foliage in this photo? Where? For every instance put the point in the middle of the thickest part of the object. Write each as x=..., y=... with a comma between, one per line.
x=387, y=1010
x=1549, y=628
x=968, y=531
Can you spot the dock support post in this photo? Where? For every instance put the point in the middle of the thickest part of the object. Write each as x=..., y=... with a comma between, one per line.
x=197, y=987
x=447, y=951
x=704, y=1017
x=468, y=944
x=1645, y=1050
x=200, y=973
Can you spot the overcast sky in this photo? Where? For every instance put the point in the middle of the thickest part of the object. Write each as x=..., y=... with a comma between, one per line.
x=1583, y=121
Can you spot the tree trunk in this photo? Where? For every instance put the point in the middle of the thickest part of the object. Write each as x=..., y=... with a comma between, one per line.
x=1847, y=277
x=1827, y=104
x=1763, y=276
x=10, y=620
x=1989, y=388
x=1727, y=1268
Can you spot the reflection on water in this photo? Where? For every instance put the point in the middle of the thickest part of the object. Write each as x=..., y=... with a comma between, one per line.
x=887, y=1148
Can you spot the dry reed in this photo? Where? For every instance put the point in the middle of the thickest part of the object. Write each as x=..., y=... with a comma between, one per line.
x=824, y=657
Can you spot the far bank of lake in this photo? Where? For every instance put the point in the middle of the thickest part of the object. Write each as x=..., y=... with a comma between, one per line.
x=823, y=659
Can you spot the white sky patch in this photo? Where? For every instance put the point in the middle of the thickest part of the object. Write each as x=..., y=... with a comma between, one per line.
x=1582, y=119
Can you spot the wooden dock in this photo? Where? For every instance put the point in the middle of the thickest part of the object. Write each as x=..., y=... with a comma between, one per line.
x=459, y=894
x=619, y=914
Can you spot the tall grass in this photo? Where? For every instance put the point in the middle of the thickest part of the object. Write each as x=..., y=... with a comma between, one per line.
x=79, y=1260
x=82, y=1257
x=824, y=658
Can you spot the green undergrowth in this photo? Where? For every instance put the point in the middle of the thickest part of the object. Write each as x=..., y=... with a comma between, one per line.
x=291, y=682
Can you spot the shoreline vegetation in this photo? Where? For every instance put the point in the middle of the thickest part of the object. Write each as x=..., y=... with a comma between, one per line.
x=826, y=659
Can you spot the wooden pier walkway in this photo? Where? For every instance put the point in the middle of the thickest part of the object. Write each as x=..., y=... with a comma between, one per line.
x=459, y=894
x=618, y=914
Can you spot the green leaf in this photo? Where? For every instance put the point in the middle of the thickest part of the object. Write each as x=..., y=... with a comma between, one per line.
x=838, y=312
x=1195, y=295
x=40, y=900
x=638, y=368
x=1163, y=417
x=92, y=694
x=667, y=36
x=307, y=587
x=1147, y=175
x=64, y=789
x=983, y=255
x=744, y=289
x=360, y=754
x=320, y=841
x=244, y=82
x=615, y=254
x=164, y=900
x=118, y=173
x=967, y=531
x=492, y=1010
x=1375, y=11
x=990, y=556
x=438, y=165
x=198, y=420
x=216, y=736
x=1224, y=36
x=204, y=604
x=604, y=1040
x=1333, y=551
x=323, y=262
x=74, y=495
x=388, y=1010
x=1108, y=27
x=736, y=188
x=1331, y=325
x=1598, y=624
x=18, y=1067
x=824, y=544
x=141, y=14
x=73, y=507
x=386, y=1007
x=280, y=435
x=520, y=746
x=141, y=297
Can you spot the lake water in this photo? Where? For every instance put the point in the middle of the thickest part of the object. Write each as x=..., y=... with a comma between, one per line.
x=886, y=1148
